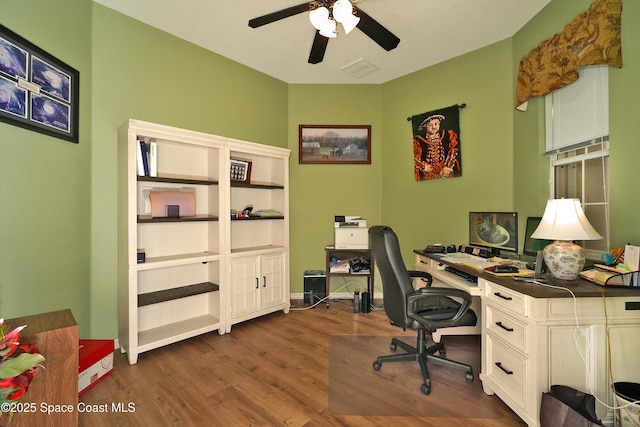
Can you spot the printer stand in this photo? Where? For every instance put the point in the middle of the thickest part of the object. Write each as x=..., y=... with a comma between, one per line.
x=349, y=254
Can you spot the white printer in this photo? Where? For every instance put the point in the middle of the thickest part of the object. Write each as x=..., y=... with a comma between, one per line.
x=351, y=232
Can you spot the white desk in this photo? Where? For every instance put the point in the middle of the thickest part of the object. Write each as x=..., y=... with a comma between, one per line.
x=435, y=267
x=528, y=337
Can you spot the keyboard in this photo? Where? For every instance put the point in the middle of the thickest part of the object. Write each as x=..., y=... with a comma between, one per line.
x=463, y=274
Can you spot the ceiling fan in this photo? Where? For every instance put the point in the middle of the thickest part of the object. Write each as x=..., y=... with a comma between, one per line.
x=372, y=28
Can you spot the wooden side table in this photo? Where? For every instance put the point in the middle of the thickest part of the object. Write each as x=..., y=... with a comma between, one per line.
x=349, y=254
x=56, y=386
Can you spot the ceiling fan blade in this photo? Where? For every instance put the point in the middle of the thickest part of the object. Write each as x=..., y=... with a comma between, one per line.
x=379, y=34
x=318, y=48
x=280, y=14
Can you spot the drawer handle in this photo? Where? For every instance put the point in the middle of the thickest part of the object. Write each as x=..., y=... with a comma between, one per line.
x=504, y=327
x=257, y=283
x=506, y=371
x=499, y=295
x=264, y=281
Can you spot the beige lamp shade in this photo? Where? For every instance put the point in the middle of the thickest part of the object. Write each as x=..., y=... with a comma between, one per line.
x=564, y=219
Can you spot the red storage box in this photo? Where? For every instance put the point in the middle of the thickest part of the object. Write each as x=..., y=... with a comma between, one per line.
x=96, y=361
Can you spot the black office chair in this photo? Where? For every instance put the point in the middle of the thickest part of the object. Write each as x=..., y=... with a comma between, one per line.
x=424, y=310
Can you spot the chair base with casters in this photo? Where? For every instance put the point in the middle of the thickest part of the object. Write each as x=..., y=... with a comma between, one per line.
x=422, y=354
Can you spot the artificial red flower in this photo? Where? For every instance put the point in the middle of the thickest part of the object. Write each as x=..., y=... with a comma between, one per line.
x=30, y=348
x=10, y=341
x=18, y=364
x=19, y=382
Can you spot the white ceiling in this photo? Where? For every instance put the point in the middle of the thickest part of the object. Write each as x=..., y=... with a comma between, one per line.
x=430, y=31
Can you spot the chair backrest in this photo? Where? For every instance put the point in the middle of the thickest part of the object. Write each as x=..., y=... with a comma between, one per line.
x=396, y=283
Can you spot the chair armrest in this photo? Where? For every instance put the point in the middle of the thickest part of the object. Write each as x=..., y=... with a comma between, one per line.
x=418, y=274
x=424, y=294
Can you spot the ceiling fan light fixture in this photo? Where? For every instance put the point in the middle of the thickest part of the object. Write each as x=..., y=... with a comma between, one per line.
x=349, y=23
x=329, y=29
x=343, y=13
x=342, y=9
x=319, y=18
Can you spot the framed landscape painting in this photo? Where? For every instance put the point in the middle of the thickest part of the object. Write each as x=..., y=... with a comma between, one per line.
x=334, y=144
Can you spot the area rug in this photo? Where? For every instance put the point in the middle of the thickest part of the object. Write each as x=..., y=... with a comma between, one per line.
x=355, y=388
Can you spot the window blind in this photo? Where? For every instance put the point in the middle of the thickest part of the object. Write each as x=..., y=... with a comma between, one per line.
x=577, y=115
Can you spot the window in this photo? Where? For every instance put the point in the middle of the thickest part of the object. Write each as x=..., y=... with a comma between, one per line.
x=577, y=142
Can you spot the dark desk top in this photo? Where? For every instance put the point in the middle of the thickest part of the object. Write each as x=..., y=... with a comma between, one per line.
x=580, y=288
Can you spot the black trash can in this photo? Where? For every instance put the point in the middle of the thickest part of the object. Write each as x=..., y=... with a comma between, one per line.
x=627, y=394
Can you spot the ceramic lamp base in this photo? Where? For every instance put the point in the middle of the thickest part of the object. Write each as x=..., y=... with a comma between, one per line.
x=564, y=259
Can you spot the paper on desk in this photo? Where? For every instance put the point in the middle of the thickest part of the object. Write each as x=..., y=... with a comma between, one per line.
x=603, y=277
x=620, y=270
x=478, y=265
x=459, y=258
x=468, y=260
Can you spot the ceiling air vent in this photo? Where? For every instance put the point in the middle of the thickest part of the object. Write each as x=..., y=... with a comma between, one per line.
x=360, y=68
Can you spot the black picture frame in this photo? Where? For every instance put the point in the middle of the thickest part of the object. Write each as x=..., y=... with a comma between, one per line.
x=240, y=170
x=334, y=144
x=38, y=92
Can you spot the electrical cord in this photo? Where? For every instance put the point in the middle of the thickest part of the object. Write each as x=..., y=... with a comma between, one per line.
x=345, y=285
x=321, y=300
x=580, y=332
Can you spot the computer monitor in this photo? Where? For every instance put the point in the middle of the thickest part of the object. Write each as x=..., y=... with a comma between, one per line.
x=494, y=230
x=532, y=246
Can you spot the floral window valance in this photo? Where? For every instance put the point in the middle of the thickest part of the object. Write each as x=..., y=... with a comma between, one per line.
x=593, y=37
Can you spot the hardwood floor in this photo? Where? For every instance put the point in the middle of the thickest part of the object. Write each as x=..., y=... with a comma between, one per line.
x=275, y=370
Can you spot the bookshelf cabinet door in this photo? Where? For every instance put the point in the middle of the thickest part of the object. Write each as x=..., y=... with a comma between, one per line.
x=272, y=274
x=245, y=286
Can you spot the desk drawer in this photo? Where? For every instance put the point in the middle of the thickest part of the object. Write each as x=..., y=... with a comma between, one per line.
x=507, y=369
x=507, y=299
x=506, y=327
x=425, y=264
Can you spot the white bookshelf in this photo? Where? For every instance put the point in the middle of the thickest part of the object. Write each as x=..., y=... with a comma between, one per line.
x=259, y=247
x=184, y=288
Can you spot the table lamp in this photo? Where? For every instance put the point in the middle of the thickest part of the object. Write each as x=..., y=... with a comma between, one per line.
x=564, y=221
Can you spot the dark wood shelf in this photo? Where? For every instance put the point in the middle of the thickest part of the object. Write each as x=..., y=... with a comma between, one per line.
x=150, y=219
x=176, y=293
x=263, y=185
x=257, y=218
x=179, y=179
x=364, y=274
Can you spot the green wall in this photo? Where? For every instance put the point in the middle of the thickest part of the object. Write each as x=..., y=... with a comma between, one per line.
x=319, y=192
x=58, y=244
x=59, y=239
x=45, y=191
x=426, y=212
x=532, y=168
x=146, y=74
